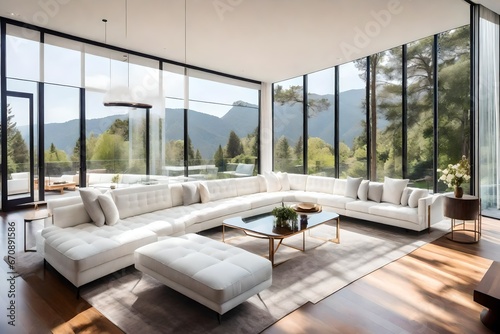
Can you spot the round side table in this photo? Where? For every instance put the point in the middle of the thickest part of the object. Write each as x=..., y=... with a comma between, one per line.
x=465, y=214
x=30, y=217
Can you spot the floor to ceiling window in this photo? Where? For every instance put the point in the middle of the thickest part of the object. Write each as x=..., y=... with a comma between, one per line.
x=63, y=78
x=174, y=89
x=386, y=114
x=106, y=127
x=23, y=73
x=420, y=121
x=453, y=99
x=320, y=123
x=400, y=128
x=127, y=142
x=223, y=128
x=288, y=123
x=353, y=148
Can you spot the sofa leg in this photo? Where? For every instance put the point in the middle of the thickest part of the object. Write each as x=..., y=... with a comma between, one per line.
x=219, y=318
x=78, y=293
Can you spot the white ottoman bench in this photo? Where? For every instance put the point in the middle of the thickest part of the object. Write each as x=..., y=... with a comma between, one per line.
x=215, y=274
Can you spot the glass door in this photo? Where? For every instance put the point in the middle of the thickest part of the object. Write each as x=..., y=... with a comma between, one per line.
x=18, y=173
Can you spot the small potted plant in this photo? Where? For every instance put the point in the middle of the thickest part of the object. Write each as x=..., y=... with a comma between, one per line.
x=285, y=216
x=114, y=180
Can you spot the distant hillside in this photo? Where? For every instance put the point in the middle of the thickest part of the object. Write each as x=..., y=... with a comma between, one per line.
x=208, y=132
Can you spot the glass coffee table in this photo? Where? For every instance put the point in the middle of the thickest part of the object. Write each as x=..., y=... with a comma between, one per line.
x=262, y=226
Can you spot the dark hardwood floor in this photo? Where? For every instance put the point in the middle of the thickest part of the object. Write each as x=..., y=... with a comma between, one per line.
x=427, y=291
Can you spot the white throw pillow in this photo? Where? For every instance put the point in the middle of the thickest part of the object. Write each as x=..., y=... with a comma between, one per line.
x=416, y=194
x=363, y=190
x=272, y=182
x=285, y=183
x=375, y=191
x=405, y=196
x=204, y=193
x=109, y=209
x=339, y=187
x=393, y=189
x=190, y=193
x=352, y=185
x=92, y=206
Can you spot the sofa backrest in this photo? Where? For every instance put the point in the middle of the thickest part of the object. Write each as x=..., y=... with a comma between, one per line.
x=21, y=175
x=297, y=181
x=95, y=178
x=247, y=185
x=138, y=200
x=321, y=184
x=214, y=190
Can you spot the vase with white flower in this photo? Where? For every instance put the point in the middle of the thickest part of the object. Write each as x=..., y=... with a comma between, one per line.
x=455, y=175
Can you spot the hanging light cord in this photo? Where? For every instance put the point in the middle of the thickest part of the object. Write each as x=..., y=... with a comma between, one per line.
x=105, y=31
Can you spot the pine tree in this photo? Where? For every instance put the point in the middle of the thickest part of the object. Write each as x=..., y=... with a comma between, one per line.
x=282, y=148
x=234, y=147
x=219, y=158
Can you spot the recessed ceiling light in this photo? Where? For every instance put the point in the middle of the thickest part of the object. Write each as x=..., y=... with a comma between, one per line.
x=13, y=14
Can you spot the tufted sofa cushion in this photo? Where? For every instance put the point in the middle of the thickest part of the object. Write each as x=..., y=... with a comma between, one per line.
x=320, y=184
x=219, y=189
x=247, y=185
x=138, y=200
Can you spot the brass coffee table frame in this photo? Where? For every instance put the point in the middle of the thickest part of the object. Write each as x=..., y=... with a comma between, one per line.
x=238, y=223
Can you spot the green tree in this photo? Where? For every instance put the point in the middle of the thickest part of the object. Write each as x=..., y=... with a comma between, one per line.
x=254, y=142
x=233, y=147
x=174, y=152
x=56, y=161
x=75, y=157
x=191, y=153
x=111, y=153
x=120, y=127
x=282, y=155
x=298, y=149
x=219, y=158
x=91, y=145
x=17, y=149
x=319, y=154
x=197, y=157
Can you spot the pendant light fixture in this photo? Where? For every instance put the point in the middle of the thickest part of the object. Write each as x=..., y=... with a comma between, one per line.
x=121, y=96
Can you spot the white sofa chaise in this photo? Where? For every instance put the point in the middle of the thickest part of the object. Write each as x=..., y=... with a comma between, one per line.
x=133, y=217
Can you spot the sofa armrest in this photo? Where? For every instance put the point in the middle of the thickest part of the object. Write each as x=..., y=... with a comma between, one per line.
x=432, y=208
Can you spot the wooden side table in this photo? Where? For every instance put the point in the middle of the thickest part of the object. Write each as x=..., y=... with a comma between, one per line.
x=467, y=210
x=30, y=217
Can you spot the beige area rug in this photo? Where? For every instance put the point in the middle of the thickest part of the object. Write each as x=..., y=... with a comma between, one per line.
x=137, y=303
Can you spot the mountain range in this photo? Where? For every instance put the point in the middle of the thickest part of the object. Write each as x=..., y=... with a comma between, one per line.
x=207, y=132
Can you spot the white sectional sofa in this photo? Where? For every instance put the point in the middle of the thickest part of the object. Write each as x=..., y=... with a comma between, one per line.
x=19, y=183
x=87, y=241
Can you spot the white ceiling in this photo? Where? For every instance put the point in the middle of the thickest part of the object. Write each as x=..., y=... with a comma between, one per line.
x=264, y=40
